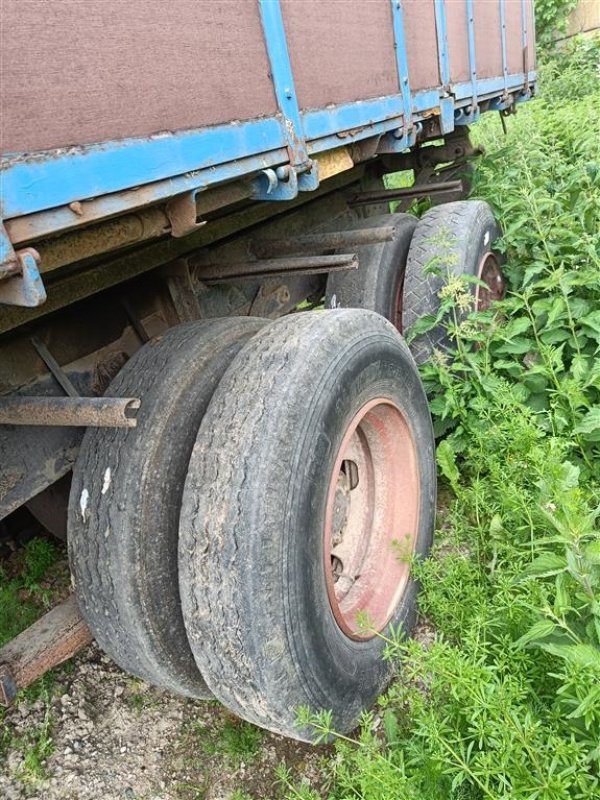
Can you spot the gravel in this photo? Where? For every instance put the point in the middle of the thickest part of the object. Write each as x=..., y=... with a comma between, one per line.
x=116, y=738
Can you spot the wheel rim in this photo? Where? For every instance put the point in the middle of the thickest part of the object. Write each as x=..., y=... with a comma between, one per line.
x=371, y=519
x=490, y=272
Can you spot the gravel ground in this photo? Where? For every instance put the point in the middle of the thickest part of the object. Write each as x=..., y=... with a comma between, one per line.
x=116, y=738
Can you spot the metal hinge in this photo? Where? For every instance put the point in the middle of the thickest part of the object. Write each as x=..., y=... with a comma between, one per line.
x=20, y=280
x=285, y=182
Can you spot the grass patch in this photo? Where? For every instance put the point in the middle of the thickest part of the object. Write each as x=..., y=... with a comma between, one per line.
x=31, y=581
x=236, y=740
x=505, y=703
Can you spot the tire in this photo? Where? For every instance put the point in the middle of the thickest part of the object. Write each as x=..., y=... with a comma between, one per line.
x=125, y=502
x=457, y=237
x=377, y=283
x=257, y=575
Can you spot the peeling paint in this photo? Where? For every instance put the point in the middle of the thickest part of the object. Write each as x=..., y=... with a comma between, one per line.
x=106, y=482
x=83, y=504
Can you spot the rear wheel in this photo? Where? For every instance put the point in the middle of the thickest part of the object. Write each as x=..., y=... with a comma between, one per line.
x=311, y=484
x=377, y=283
x=454, y=238
x=125, y=502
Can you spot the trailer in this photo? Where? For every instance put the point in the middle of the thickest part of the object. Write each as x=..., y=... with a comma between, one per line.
x=203, y=383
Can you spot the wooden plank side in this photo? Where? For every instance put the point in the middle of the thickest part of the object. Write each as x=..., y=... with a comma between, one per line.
x=79, y=71
x=488, y=40
x=340, y=51
x=458, y=41
x=514, y=37
x=530, y=15
x=421, y=44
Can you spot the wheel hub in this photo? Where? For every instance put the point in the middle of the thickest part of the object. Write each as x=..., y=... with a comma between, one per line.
x=490, y=272
x=372, y=514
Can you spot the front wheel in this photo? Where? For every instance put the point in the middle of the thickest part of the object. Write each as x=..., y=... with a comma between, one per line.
x=310, y=488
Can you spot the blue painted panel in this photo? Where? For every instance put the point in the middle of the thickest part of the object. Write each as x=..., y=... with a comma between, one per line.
x=503, y=42
x=334, y=119
x=472, y=54
x=283, y=79
x=48, y=180
x=402, y=60
x=442, y=41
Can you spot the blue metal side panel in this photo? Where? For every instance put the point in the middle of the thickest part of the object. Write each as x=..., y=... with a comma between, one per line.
x=442, y=41
x=37, y=183
x=283, y=79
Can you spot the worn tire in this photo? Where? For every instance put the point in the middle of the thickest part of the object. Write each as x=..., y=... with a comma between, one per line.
x=454, y=237
x=125, y=502
x=252, y=568
x=377, y=283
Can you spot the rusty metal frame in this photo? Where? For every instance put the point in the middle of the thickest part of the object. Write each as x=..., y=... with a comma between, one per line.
x=99, y=412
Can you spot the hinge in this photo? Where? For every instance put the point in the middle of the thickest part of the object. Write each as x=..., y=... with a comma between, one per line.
x=20, y=280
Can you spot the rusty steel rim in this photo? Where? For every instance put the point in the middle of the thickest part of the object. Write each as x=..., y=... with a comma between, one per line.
x=490, y=272
x=371, y=519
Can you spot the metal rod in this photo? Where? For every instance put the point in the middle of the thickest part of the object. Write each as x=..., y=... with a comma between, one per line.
x=54, y=638
x=317, y=242
x=299, y=265
x=423, y=190
x=57, y=371
x=99, y=412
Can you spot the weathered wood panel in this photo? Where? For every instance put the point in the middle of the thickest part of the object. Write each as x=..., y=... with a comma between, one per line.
x=421, y=44
x=530, y=33
x=77, y=71
x=340, y=51
x=514, y=37
x=458, y=42
x=488, y=44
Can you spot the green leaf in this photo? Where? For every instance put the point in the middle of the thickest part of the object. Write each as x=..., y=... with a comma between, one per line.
x=592, y=552
x=446, y=459
x=590, y=422
x=592, y=321
x=541, y=630
x=546, y=565
x=583, y=655
x=390, y=726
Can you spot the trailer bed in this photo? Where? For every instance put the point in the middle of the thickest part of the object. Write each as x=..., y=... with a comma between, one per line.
x=114, y=106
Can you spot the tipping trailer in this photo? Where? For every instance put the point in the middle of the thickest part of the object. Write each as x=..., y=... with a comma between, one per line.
x=240, y=474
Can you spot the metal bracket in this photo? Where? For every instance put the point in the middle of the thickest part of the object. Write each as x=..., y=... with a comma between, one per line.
x=466, y=116
x=20, y=280
x=308, y=181
x=276, y=184
x=399, y=140
x=285, y=182
x=182, y=214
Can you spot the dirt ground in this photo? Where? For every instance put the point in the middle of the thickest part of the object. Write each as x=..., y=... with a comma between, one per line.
x=116, y=738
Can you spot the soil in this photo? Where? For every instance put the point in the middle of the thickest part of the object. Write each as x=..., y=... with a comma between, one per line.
x=116, y=738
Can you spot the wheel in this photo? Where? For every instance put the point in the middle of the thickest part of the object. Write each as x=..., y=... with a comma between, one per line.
x=457, y=237
x=50, y=507
x=377, y=283
x=311, y=482
x=125, y=501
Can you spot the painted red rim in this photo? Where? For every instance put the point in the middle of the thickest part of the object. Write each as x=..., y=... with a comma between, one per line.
x=371, y=519
x=490, y=272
